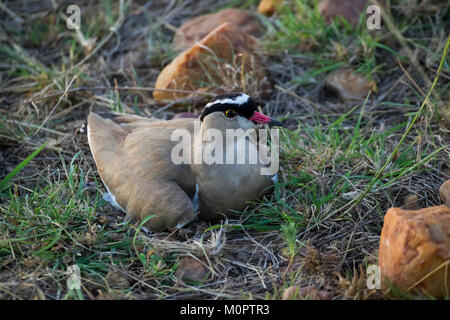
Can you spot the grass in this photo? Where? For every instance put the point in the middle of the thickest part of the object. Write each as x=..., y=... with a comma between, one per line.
x=342, y=164
x=303, y=31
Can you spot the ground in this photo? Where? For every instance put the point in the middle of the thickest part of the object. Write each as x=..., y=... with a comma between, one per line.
x=342, y=164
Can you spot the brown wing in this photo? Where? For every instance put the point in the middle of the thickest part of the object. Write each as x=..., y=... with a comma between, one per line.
x=132, y=155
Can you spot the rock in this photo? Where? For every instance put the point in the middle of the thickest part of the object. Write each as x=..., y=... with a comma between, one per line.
x=348, y=85
x=190, y=269
x=414, y=249
x=348, y=9
x=411, y=202
x=182, y=115
x=197, y=28
x=444, y=192
x=206, y=63
x=309, y=292
x=268, y=7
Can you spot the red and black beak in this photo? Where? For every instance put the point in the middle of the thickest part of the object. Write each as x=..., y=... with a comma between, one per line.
x=263, y=119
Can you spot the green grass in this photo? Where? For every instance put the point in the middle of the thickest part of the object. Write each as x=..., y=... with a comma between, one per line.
x=59, y=226
x=328, y=46
x=338, y=152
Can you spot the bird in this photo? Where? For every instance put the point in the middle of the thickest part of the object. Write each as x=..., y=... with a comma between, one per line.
x=134, y=159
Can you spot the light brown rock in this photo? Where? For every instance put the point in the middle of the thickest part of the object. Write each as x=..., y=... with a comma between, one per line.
x=202, y=66
x=268, y=7
x=197, y=28
x=348, y=9
x=349, y=85
x=444, y=192
x=190, y=269
x=309, y=292
x=414, y=250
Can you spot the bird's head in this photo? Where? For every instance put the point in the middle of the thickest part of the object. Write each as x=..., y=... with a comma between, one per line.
x=234, y=111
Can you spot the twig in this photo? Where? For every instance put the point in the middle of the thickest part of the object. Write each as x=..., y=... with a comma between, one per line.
x=34, y=126
x=15, y=17
x=54, y=108
x=303, y=100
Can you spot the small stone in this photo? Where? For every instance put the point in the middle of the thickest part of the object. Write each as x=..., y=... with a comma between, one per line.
x=268, y=7
x=444, y=192
x=348, y=85
x=197, y=28
x=348, y=9
x=414, y=250
x=190, y=269
x=204, y=65
x=411, y=202
x=309, y=292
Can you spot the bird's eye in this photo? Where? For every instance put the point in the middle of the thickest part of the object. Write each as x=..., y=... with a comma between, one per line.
x=230, y=113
